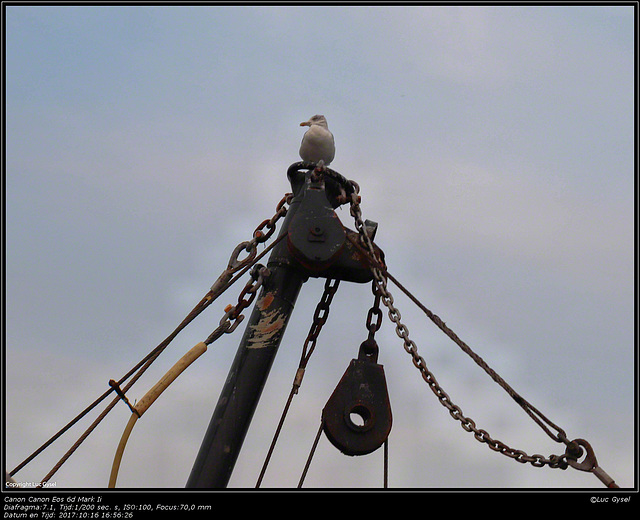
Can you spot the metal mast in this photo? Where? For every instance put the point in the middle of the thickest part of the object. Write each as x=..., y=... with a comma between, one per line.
x=316, y=246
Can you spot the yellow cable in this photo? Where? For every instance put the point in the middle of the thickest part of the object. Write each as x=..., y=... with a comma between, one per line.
x=149, y=398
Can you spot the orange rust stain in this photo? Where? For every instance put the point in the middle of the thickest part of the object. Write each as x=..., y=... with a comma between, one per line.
x=266, y=301
x=271, y=327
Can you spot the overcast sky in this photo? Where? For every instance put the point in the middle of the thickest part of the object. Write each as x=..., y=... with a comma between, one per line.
x=494, y=146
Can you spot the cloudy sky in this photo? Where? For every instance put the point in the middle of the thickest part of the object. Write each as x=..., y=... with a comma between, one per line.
x=494, y=146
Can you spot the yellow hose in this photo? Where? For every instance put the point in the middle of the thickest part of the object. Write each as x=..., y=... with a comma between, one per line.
x=149, y=398
x=118, y=457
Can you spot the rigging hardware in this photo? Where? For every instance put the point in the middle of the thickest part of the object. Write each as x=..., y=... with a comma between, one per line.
x=380, y=276
x=319, y=319
x=258, y=274
x=357, y=417
x=589, y=463
x=321, y=251
x=324, y=248
x=235, y=269
x=114, y=384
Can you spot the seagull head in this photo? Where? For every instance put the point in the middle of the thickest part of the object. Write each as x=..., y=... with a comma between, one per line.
x=316, y=120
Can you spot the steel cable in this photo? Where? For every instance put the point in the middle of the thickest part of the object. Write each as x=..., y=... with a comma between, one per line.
x=225, y=281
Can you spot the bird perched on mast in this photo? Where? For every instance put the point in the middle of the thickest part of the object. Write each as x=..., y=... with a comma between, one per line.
x=317, y=145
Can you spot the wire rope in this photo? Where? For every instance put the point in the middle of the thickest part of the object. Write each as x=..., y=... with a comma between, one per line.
x=224, y=282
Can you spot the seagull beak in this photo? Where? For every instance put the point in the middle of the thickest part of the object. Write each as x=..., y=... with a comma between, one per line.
x=306, y=123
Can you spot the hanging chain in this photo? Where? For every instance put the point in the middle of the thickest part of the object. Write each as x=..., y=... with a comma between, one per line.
x=319, y=319
x=374, y=312
x=374, y=326
x=380, y=278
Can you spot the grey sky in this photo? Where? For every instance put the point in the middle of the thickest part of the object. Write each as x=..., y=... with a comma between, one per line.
x=493, y=145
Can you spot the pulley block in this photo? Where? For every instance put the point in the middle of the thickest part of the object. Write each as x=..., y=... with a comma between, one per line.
x=316, y=235
x=357, y=416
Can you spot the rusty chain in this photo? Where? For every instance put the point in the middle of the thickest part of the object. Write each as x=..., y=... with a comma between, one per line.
x=374, y=311
x=320, y=316
x=233, y=313
x=233, y=316
x=235, y=264
x=224, y=281
x=380, y=279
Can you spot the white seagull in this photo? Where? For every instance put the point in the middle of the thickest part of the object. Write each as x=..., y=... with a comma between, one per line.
x=317, y=145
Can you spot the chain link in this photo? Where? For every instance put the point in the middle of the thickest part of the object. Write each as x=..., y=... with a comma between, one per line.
x=251, y=246
x=553, y=461
x=233, y=317
x=320, y=316
x=260, y=236
x=319, y=319
x=374, y=311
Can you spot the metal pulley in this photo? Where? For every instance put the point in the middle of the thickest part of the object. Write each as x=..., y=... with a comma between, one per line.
x=357, y=416
x=316, y=235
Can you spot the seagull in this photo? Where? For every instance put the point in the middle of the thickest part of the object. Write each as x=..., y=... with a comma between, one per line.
x=317, y=144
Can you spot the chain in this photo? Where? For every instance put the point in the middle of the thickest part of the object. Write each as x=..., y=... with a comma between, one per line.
x=250, y=246
x=374, y=311
x=224, y=281
x=233, y=317
x=380, y=279
x=319, y=319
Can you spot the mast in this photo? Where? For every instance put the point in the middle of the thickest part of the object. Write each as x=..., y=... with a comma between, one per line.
x=316, y=246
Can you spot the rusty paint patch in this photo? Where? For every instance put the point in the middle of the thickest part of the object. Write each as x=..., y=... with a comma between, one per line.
x=267, y=328
x=266, y=301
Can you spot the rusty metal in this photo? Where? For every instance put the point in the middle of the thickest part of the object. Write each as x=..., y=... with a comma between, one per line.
x=317, y=241
x=574, y=451
x=247, y=377
x=114, y=384
x=319, y=319
x=357, y=417
x=315, y=246
x=316, y=235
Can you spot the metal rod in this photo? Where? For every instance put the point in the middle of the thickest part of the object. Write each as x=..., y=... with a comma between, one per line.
x=386, y=464
x=311, y=453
